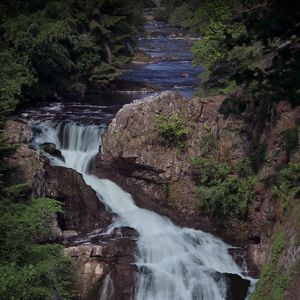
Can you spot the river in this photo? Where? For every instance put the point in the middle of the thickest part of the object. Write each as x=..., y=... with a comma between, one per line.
x=175, y=263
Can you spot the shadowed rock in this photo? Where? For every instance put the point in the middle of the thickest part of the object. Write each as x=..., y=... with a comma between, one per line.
x=52, y=150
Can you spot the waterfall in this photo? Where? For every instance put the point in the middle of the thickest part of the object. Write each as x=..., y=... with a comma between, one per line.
x=175, y=263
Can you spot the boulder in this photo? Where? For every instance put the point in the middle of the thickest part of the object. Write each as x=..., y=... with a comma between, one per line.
x=105, y=268
x=237, y=287
x=83, y=210
x=52, y=150
x=159, y=175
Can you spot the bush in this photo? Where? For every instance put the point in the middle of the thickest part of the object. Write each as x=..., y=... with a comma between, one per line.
x=209, y=171
x=181, y=17
x=173, y=130
x=208, y=143
x=229, y=199
x=286, y=188
x=223, y=194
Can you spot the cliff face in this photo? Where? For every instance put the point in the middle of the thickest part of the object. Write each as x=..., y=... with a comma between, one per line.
x=161, y=176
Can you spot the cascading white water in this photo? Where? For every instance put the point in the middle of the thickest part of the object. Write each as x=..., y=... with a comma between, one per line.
x=176, y=263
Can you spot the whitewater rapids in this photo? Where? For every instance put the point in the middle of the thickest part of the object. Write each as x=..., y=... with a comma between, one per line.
x=175, y=263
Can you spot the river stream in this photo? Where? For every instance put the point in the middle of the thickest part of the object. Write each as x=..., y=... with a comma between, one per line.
x=175, y=263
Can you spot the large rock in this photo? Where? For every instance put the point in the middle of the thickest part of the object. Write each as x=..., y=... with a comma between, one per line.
x=83, y=211
x=237, y=287
x=159, y=176
x=28, y=163
x=105, y=268
x=52, y=150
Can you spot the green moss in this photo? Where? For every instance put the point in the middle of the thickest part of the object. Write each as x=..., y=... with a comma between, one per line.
x=273, y=282
x=278, y=245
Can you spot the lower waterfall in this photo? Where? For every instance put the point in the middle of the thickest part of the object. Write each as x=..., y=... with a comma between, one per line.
x=175, y=263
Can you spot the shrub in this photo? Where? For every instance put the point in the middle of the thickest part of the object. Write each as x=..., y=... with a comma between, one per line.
x=287, y=185
x=209, y=171
x=221, y=193
x=228, y=199
x=173, y=130
x=208, y=143
x=181, y=16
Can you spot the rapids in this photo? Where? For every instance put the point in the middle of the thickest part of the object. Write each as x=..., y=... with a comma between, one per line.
x=175, y=263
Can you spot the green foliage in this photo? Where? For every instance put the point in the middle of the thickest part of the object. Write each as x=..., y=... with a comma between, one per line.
x=45, y=276
x=221, y=193
x=173, y=130
x=273, y=281
x=278, y=245
x=209, y=170
x=275, y=277
x=229, y=199
x=181, y=16
x=17, y=190
x=239, y=45
x=53, y=46
x=31, y=268
x=292, y=140
x=225, y=191
x=287, y=185
x=207, y=144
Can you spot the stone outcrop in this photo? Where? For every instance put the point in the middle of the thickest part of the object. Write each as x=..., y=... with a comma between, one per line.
x=106, y=266
x=159, y=176
x=83, y=211
x=52, y=150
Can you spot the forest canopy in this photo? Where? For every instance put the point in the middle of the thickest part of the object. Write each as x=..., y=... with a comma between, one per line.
x=50, y=47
